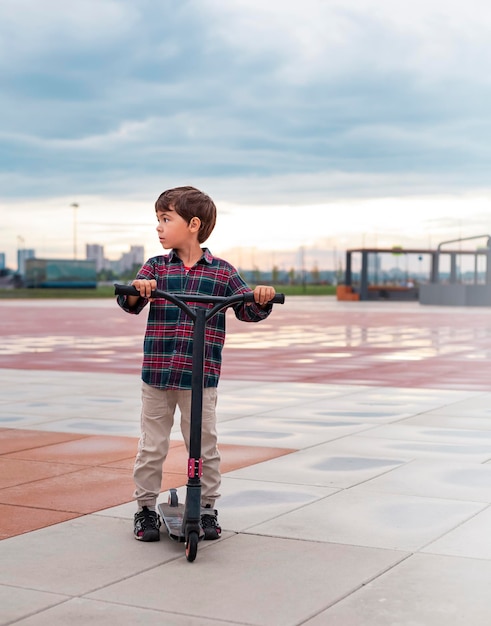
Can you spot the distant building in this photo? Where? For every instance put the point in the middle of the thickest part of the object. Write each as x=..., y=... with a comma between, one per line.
x=60, y=273
x=132, y=258
x=127, y=261
x=22, y=255
x=95, y=252
x=2, y=260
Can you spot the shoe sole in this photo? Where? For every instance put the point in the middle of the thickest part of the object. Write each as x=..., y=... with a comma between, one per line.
x=148, y=537
x=212, y=535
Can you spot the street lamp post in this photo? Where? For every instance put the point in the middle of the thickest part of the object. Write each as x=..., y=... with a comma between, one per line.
x=75, y=207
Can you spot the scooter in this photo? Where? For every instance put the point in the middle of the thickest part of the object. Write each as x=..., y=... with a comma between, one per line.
x=183, y=522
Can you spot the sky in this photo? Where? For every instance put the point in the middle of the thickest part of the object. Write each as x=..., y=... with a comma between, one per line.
x=318, y=125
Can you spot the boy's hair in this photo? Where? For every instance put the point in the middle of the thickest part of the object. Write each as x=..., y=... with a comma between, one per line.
x=189, y=202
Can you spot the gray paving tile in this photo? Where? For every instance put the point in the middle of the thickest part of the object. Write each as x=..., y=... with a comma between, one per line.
x=61, y=407
x=465, y=421
x=290, y=397
x=405, y=395
x=314, y=467
x=244, y=503
x=477, y=404
x=471, y=539
x=424, y=590
x=435, y=479
x=362, y=517
x=78, y=556
x=361, y=445
x=412, y=432
x=17, y=603
x=259, y=580
x=288, y=392
x=86, y=425
x=295, y=433
x=339, y=410
x=80, y=612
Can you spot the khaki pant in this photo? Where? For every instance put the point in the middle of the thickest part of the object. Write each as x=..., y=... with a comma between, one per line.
x=157, y=419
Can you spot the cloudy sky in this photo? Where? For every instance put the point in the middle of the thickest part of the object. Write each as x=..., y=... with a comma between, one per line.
x=317, y=124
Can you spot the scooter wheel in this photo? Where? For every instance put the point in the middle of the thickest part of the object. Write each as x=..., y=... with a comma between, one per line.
x=173, y=499
x=192, y=546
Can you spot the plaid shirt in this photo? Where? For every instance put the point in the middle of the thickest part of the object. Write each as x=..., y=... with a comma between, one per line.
x=167, y=348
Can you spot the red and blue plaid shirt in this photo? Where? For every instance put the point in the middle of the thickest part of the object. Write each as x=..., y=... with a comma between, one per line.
x=167, y=347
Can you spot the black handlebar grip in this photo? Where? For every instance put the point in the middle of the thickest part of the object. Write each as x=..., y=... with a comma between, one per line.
x=278, y=299
x=125, y=290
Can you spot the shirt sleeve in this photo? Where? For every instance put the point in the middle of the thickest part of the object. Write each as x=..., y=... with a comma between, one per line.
x=250, y=312
x=146, y=271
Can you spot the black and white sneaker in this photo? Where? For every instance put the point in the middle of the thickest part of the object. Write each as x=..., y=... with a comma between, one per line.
x=147, y=525
x=209, y=523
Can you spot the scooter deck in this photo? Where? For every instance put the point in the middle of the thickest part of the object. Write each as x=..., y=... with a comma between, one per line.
x=172, y=517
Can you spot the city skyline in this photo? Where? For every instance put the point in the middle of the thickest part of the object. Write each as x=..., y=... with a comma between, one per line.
x=249, y=233
x=92, y=251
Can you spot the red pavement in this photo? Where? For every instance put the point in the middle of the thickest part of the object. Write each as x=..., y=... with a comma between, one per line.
x=306, y=340
x=50, y=477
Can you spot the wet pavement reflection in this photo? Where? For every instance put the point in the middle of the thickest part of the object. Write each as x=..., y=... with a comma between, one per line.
x=307, y=339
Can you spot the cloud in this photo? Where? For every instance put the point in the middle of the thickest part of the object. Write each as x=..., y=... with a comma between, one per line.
x=259, y=103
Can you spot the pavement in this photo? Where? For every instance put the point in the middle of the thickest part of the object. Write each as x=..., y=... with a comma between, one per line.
x=356, y=445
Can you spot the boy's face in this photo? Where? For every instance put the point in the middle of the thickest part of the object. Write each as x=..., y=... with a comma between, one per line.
x=173, y=230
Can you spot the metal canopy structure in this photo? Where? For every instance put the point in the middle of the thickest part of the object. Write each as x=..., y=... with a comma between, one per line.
x=434, y=292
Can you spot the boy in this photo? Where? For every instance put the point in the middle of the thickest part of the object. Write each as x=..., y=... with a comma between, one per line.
x=185, y=219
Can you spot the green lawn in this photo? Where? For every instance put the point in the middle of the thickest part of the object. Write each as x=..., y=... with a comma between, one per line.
x=108, y=292
x=99, y=292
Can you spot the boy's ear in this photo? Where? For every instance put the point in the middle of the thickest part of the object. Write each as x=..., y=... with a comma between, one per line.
x=195, y=224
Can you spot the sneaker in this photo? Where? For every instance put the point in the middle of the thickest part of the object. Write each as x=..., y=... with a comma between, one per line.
x=209, y=522
x=147, y=524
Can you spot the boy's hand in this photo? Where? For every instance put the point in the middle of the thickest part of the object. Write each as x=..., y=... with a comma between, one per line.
x=145, y=287
x=263, y=294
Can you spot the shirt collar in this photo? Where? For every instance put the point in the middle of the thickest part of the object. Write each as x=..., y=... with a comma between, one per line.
x=207, y=257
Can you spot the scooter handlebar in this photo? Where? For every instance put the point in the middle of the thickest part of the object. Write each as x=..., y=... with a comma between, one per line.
x=129, y=290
